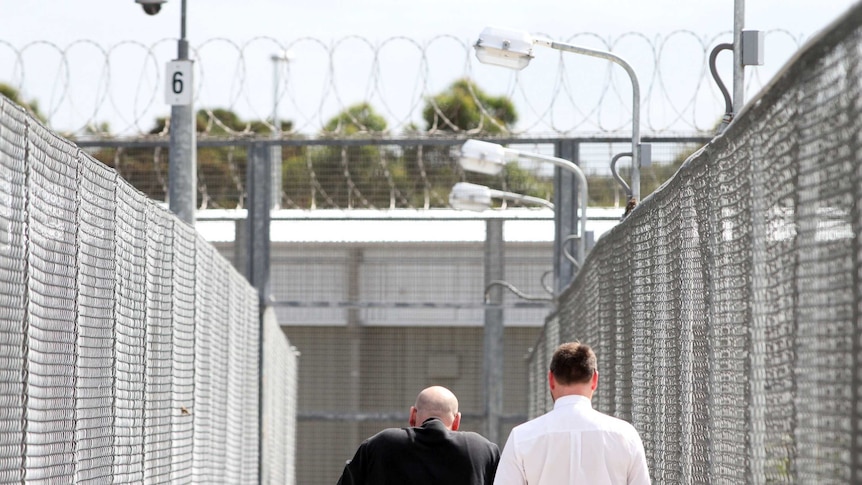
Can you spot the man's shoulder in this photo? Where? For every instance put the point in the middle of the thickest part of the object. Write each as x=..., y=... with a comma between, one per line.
x=386, y=436
x=481, y=448
x=615, y=423
x=590, y=419
x=473, y=437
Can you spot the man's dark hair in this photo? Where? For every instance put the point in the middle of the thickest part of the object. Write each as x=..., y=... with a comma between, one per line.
x=573, y=363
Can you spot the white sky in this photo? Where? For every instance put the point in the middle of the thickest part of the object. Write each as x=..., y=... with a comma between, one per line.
x=109, y=22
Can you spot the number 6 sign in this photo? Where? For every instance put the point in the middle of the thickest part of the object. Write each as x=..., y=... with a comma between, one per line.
x=178, y=77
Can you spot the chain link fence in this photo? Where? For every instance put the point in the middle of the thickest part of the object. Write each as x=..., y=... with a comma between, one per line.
x=725, y=310
x=130, y=348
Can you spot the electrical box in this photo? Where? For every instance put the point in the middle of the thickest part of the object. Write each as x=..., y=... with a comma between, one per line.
x=752, y=47
x=646, y=154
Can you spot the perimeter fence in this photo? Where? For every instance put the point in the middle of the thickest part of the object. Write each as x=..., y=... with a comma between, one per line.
x=130, y=348
x=245, y=85
x=725, y=310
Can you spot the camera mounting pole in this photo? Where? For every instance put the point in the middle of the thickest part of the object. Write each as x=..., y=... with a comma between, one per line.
x=182, y=158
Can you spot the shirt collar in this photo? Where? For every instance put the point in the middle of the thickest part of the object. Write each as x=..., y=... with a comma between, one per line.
x=572, y=400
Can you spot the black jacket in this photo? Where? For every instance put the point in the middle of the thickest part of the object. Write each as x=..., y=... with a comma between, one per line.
x=430, y=454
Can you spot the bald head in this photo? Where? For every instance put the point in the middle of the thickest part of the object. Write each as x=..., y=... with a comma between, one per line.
x=436, y=402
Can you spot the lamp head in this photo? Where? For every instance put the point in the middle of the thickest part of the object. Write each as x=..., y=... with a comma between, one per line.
x=504, y=47
x=466, y=196
x=483, y=157
x=285, y=55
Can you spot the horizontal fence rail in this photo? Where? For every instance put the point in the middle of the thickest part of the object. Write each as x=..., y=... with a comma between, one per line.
x=87, y=88
x=130, y=347
x=724, y=310
x=378, y=172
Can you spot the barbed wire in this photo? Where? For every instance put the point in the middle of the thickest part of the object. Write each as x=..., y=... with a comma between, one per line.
x=88, y=89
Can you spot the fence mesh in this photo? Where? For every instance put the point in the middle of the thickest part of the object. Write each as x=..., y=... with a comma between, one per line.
x=129, y=349
x=725, y=310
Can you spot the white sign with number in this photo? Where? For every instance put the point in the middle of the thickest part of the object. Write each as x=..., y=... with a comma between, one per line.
x=178, y=77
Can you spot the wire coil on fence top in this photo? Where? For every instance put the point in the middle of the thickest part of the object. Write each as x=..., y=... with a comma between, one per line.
x=82, y=86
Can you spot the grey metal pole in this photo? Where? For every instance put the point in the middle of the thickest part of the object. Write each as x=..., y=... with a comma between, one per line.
x=738, y=68
x=352, y=391
x=275, y=150
x=259, y=186
x=493, y=337
x=257, y=272
x=567, y=190
x=182, y=158
x=636, y=102
x=565, y=213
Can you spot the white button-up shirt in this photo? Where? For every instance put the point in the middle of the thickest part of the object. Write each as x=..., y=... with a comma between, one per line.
x=573, y=443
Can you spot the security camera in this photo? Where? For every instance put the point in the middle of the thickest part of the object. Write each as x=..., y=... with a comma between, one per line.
x=151, y=7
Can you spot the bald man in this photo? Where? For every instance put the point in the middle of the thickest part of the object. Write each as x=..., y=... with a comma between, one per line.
x=431, y=451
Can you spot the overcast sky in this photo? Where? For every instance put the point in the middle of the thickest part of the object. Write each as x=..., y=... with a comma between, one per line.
x=109, y=22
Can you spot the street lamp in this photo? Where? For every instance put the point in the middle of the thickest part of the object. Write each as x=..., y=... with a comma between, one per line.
x=490, y=158
x=514, y=49
x=473, y=197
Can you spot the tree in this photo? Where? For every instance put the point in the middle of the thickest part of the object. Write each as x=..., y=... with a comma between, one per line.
x=466, y=107
x=14, y=95
x=221, y=170
x=352, y=176
x=356, y=119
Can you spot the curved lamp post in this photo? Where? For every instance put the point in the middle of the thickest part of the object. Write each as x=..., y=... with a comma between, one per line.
x=514, y=49
x=490, y=158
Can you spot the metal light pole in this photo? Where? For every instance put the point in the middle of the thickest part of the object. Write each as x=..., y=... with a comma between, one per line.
x=490, y=158
x=738, y=66
x=182, y=172
x=275, y=151
x=514, y=49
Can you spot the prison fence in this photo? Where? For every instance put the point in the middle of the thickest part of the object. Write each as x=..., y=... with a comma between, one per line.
x=725, y=311
x=84, y=87
x=130, y=348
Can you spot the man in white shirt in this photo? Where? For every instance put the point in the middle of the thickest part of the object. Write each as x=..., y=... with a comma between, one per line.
x=573, y=443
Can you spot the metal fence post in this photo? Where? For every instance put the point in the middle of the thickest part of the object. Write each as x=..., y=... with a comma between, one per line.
x=738, y=67
x=565, y=213
x=182, y=172
x=259, y=187
x=258, y=183
x=493, y=338
x=353, y=389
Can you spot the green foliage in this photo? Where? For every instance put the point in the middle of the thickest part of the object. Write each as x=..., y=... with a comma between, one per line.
x=350, y=176
x=145, y=169
x=458, y=104
x=221, y=170
x=220, y=121
x=359, y=118
x=521, y=181
x=14, y=95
